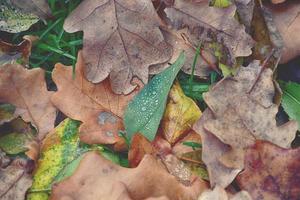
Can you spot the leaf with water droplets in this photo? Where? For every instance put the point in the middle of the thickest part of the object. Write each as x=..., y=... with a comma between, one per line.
x=144, y=112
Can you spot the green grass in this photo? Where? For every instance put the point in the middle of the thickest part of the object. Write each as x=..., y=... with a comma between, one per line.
x=54, y=44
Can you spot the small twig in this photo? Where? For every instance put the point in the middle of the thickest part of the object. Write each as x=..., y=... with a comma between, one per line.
x=264, y=64
x=190, y=160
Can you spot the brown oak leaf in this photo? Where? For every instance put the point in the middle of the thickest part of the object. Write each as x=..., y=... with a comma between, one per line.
x=26, y=89
x=100, y=110
x=271, y=172
x=149, y=179
x=125, y=42
x=243, y=112
x=209, y=24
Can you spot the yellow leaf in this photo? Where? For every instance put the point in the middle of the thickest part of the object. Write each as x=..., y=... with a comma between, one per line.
x=181, y=113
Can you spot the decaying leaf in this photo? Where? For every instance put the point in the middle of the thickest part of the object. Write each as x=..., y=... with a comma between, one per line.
x=212, y=150
x=95, y=172
x=180, y=114
x=143, y=114
x=59, y=148
x=125, y=42
x=10, y=53
x=19, y=15
x=253, y=103
x=26, y=89
x=287, y=20
x=219, y=193
x=209, y=24
x=15, y=180
x=269, y=43
x=100, y=110
x=271, y=172
x=179, y=40
x=243, y=111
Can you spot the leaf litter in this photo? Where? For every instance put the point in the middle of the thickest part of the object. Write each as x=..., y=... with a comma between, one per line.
x=143, y=118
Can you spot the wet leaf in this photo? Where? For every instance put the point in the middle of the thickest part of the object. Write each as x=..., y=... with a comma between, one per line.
x=15, y=180
x=180, y=114
x=19, y=15
x=126, y=41
x=144, y=112
x=26, y=90
x=271, y=172
x=209, y=24
x=291, y=100
x=100, y=110
x=96, y=172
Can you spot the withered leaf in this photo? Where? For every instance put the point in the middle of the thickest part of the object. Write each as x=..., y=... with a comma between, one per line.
x=212, y=150
x=254, y=108
x=100, y=110
x=208, y=24
x=180, y=114
x=125, y=42
x=10, y=53
x=271, y=172
x=95, y=172
x=179, y=39
x=219, y=193
x=287, y=20
x=14, y=180
x=26, y=89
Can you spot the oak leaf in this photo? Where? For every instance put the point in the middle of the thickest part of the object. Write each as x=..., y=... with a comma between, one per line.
x=125, y=42
x=100, y=110
x=26, y=89
x=271, y=172
x=209, y=24
x=95, y=172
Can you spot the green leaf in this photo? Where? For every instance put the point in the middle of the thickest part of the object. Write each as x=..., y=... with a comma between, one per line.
x=6, y=113
x=291, y=100
x=14, y=143
x=144, y=112
x=220, y=3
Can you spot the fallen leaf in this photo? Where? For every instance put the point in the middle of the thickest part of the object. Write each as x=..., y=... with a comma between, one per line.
x=6, y=113
x=212, y=150
x=18, y=15
x=126, y=41
x=291, y=100
x=271, y=172
x=219, y=193
x=180, y=114
x=144, y=112
x=26, y=89
x=269, y=43
x=277, y=1
x=253, y=103
x=220, y=3
x=179, y=40
x=15, y=180
x=100, y=110
x=96, y=172
x=209, y=24
x=287, y=20
x=10, y=54
x=59, y=148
